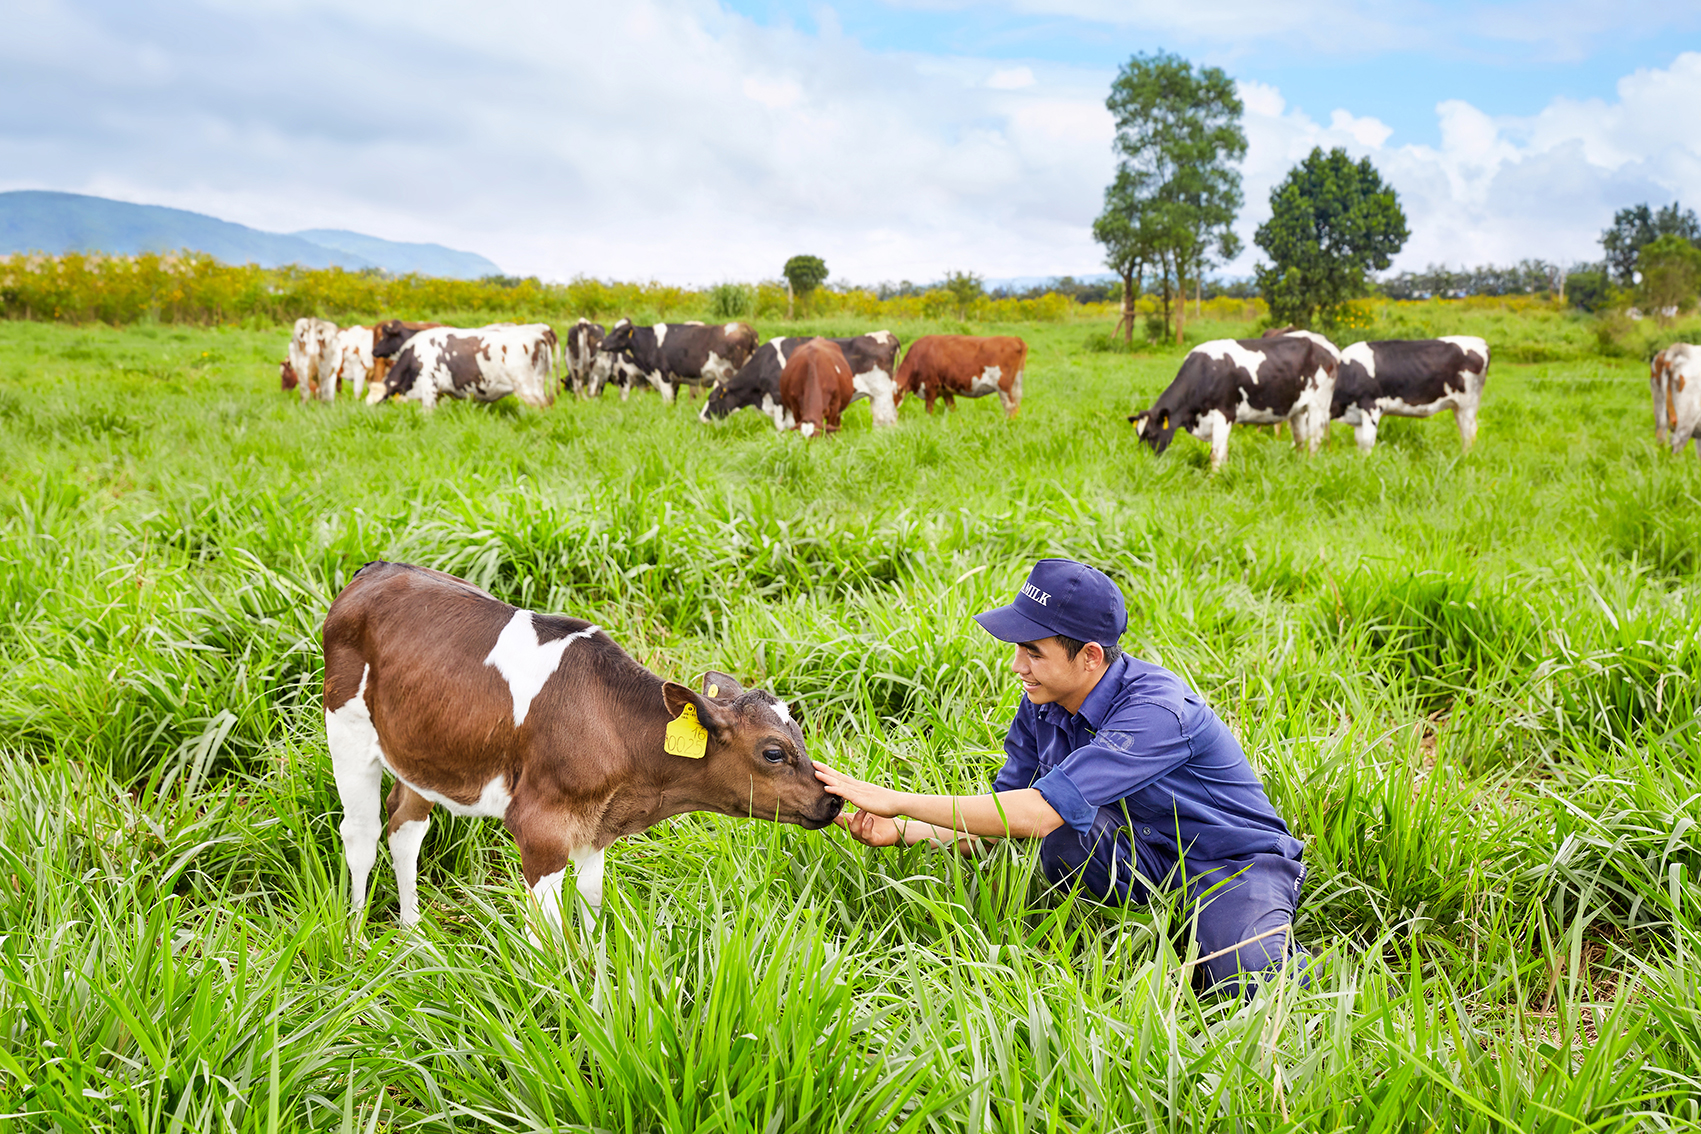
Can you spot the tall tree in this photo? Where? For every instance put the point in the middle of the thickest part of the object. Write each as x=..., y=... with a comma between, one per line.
x=1179, y=140
x=1332, y=221
x=965, y=288
x=1671, y=274
x=1639, y=225
x=1130, y=246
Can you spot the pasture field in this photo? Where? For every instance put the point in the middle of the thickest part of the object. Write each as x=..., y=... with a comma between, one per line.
x=1471, y=683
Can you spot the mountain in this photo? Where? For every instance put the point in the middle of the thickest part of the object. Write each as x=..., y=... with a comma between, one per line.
x=39, y=221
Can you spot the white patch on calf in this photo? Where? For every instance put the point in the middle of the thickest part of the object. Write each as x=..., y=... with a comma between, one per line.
x=1231, y=351
x=357, y=765
x=661, y=334
x=986, y=382
x=718, y=369
x=525, y=663
x=588, y=867
x=731, y=328
x=881, y=391
x=548, y=895
x=807, y=429
x=881, y=337
x=782, y=711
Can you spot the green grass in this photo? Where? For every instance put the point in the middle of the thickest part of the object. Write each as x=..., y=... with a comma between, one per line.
x=1470, y=682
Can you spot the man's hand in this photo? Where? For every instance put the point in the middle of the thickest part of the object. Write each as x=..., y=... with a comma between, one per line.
x=864, y=797
x=870, y=829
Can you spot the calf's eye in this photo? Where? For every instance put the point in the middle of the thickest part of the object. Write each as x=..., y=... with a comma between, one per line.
x=773, y=755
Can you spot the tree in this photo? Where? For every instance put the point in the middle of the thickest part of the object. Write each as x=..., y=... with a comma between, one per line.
x=965, y=288
x=1178, y=144
x=1332, y=221
x=803, y=275
x=1671, y=274
x=1639, y=225
x=1129, y=246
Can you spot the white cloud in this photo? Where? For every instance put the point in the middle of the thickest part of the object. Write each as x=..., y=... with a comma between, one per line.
x=1502, y=188
x=1011, y=78
x=669, y=139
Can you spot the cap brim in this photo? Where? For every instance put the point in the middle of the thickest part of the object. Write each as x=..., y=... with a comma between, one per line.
x=1007, y=625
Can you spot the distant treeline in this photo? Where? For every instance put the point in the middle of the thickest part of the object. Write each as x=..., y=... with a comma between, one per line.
x=191, y=287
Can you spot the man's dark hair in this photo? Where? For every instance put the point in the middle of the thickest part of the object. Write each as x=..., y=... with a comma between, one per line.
x=1073, y=646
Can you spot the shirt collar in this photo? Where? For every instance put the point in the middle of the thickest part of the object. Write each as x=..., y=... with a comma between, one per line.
x=1098, y=703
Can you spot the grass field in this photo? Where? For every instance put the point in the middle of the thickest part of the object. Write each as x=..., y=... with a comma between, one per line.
x=1471, y=684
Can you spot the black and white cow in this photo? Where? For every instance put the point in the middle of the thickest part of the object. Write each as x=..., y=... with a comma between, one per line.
x=1287, y=378
x=872, y=358
x=1410, y=378
x=483, y=363
x=588, y=369
x=668, y=355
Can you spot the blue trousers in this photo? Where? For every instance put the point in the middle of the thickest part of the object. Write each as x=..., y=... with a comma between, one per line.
x=1232, y=901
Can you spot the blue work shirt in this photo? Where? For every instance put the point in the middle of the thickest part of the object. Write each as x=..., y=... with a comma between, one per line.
x=1145, y=740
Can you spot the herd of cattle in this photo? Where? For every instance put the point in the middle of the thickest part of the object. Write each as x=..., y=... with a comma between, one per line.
x=1287, y=376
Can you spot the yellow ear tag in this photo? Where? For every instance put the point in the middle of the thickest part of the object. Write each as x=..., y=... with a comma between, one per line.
x=685, y=736
x=714, y=690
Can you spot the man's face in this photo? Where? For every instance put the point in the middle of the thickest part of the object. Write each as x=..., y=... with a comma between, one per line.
x=1050, y=675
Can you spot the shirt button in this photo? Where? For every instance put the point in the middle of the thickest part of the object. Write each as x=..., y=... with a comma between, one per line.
x=1145, y=830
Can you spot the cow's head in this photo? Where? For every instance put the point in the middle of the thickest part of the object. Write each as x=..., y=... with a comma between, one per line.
x=741, y=391
x=755, y=762
x=388, y=337
x=288, y=377
x=1156, y=427
x=618, y=339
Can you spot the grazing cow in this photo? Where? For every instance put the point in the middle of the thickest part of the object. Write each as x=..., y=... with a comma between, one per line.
x=969, y=366
x=312, y=356
x=816, y=386
x=668, y=355
x=485, y=364
x=1676, y=384
x=388, y=338
x=1410, y=378
x=352, y=361
x=1259, y=381
x=588, y=369
x=872, y=358
x=287, y=376
x=539, y=720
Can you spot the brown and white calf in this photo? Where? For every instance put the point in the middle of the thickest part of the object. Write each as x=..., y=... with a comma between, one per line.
x=816, y=386
x=967, y=366
x=312, y=356
x=539, y=720
x=1675, y=381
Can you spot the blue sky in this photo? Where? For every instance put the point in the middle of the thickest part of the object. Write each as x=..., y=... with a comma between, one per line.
x=1511, y=66
x=695, y=141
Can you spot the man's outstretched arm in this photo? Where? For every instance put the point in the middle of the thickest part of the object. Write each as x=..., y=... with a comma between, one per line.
x=1022, y=813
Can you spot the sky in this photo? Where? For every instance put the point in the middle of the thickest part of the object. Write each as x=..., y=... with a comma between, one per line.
x=696, y=141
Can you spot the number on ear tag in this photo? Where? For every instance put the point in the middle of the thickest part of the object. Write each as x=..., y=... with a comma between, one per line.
x=685, y=736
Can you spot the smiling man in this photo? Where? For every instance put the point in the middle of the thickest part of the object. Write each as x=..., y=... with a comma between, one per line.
x=1126, y=775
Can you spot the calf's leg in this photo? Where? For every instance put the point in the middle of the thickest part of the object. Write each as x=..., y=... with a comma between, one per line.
x=359, y=775
x=1465, y=416
x=410, y=814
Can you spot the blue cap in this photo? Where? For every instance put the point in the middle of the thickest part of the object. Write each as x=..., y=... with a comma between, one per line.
x=1063, y=597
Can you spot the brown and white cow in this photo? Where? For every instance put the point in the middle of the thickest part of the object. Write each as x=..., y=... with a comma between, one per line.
x=816, y=386
x=1675, y=381
x=968, y=366
x=873, y=359
x=539, y=720
x=485, y=364
x=1262, y=381
x=669, y=355
x=1410, y=378
x=312, y=349
x=352, y=360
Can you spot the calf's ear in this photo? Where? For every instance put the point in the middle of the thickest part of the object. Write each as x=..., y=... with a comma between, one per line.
x=710, y=714
x=1139, y=422
x=721, y=686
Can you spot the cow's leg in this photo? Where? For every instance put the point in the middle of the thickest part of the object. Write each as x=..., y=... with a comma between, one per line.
x=930, y=395
x=1364, y=430
x=588, y=867
x=359, y=776
x=410, y=814
x=1220, y=426
x=1656, y=386
x=950, y=400
x=665, y=389
x=543, y=860
x=1465, y=417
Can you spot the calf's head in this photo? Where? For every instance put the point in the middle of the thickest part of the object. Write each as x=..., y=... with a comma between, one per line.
x=733, y=395
x=618, y=339
x=755, y=762
x=1156, y=427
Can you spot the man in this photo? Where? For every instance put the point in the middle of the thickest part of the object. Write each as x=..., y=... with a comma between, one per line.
x=1126, y=775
